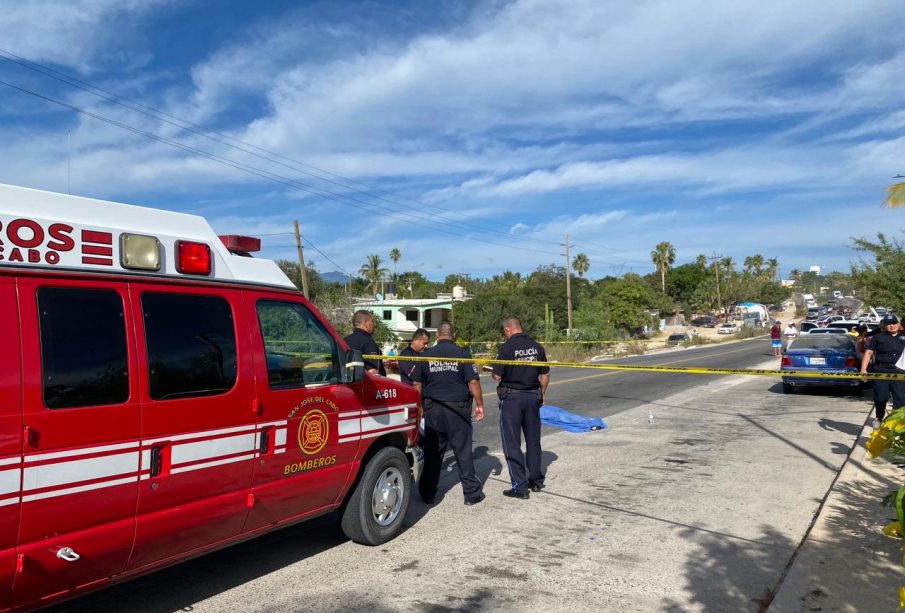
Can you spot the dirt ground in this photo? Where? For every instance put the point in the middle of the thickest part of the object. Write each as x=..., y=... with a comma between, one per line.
x=711, y=333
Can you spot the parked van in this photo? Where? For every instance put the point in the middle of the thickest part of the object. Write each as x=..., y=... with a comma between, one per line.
x=162, y=394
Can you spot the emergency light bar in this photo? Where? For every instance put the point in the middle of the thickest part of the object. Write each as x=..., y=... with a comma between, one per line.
x=241, y=245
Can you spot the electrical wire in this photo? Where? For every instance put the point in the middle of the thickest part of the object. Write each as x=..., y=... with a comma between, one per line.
x=271, y=156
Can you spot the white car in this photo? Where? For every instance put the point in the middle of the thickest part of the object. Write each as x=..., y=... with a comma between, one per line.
x=827, y=331
x=727, y=329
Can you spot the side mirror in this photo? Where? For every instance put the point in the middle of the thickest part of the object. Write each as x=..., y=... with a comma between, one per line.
x=353, y=366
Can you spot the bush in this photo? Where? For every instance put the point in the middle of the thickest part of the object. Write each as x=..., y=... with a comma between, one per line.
x=750, y=332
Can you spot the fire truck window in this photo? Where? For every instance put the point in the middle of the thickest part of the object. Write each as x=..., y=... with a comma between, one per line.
x=299, y=350
x=83, y=347
x=191, y=345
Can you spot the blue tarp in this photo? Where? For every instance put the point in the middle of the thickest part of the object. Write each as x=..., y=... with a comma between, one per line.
x=570, y=422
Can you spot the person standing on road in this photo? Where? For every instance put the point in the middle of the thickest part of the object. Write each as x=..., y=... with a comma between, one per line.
x=362, y=340
x=521, y=390
x=791, y=333
x=776, y=337
x=447, y=389
x=420, y=340
x=885, y=348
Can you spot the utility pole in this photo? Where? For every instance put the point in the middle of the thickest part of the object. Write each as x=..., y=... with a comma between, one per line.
x=303, y=272
x=568, y=289
x=716, y=267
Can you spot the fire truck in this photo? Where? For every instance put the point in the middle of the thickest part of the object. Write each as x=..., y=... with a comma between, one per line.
x=164, y=394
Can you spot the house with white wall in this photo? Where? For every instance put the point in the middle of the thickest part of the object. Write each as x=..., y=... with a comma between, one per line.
x=405, y=315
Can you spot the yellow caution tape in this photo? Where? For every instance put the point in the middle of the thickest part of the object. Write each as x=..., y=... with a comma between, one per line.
x=690, y=370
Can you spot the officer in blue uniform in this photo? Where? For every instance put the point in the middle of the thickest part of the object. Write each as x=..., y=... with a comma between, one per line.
x=447, y=389
x=420, y=340
x=362, y=340
x=885, y=348
x=521, y=390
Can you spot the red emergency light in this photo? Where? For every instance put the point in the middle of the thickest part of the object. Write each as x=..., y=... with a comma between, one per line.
x=241, y=245
x=193, y=258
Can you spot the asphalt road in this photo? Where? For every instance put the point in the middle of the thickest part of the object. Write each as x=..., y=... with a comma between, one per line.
x=608, y=394
x=595, y=393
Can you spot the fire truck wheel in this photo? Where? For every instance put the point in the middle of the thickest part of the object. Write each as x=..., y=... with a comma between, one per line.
x=377, y=506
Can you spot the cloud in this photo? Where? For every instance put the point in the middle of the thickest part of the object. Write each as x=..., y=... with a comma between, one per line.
x=75, y=33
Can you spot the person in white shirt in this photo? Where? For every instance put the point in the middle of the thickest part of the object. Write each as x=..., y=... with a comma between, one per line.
x=791, y=333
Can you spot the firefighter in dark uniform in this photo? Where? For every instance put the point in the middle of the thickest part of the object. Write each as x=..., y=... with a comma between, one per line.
x=885, y=348
x=447, y=389
x=362, y=340
x=420, y=340
x=521, y=390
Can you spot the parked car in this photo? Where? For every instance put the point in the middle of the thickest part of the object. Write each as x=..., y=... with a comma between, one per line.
x=848, y=324
x=821, y=353
x=807, y=325
x=727, y=328
x=705, y=321
x=678, y=339
x=826, y=331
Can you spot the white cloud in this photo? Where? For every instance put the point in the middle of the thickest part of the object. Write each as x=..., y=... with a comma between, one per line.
x=74, y=32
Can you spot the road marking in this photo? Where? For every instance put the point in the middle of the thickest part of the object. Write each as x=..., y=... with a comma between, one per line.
x=616, y=372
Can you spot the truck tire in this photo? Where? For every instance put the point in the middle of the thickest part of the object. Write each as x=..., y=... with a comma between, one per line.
x=375, y=510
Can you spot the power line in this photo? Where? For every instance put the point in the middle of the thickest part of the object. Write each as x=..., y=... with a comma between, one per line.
x=293, y=183
x=224, y=139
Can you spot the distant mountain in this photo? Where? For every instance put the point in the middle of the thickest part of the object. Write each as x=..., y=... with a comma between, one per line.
x=334, y=276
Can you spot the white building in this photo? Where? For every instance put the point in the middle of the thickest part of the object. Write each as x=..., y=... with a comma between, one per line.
x=405, y=315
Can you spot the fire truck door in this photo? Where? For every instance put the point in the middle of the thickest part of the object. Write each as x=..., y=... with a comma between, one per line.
x=10, y=434
x=305, y=456
x=80, y=413
x=197, y=419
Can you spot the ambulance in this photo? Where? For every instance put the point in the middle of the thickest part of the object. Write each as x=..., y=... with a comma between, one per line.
x=164, y=394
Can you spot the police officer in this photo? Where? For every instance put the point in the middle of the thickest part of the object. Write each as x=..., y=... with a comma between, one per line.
x=420, y=340
x=885, y=348
x=446, y=392
x=362, y=340
x=521, y=390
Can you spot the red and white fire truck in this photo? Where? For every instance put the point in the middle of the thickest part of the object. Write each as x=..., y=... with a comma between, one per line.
x=163, y=394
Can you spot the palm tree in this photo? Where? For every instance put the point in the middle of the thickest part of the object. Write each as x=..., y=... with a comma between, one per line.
x=395, y=255
x=773, y=269
x=895, y=196
x=701, y=261
x=373, y=272
x=581, y=263
x=755, y=265
x=663, y=256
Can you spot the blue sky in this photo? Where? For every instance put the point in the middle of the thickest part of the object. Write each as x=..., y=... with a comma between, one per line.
x=473, y=135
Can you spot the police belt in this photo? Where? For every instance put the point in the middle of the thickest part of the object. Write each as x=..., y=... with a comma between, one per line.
x=503, y=391
x=460, y=406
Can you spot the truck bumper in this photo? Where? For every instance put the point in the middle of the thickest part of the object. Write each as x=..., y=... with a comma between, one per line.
x=417, y=455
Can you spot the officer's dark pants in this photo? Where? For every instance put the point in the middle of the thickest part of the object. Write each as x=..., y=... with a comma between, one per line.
x=445, y=427
x=520, y=412
x=882, y=392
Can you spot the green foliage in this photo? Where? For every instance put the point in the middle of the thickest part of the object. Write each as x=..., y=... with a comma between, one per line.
x=881, y=276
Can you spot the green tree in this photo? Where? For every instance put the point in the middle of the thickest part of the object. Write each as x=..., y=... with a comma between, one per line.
x=373, y=272
x=773, y=269
x=663, y=256
x=395, y=255
x=581, y=264
x=881, y=274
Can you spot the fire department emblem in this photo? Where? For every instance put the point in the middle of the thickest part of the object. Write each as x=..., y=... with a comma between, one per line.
x=314, y=430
